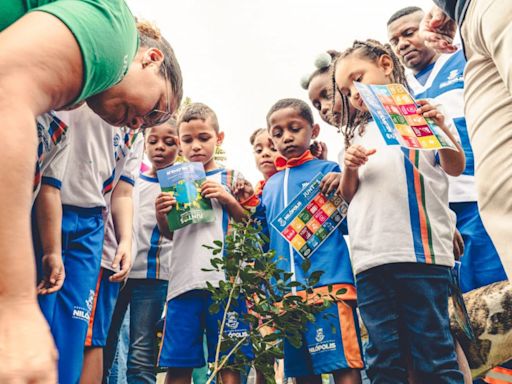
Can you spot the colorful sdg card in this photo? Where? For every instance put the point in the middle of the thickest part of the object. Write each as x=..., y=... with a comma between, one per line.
x=310, y=218
x=394, y=111
x=184, y=182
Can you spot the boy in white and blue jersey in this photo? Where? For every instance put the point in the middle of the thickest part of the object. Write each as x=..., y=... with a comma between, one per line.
x=118, y=217
x=188, y=317
x=440, y=77
x=93, y=150
x=52, y=153
x=145, y=290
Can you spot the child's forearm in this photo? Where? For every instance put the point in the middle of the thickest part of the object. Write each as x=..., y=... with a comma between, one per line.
x=235, y=210
x=122, y=211
x=349, y=184
x=48, y=207
x=452, y=162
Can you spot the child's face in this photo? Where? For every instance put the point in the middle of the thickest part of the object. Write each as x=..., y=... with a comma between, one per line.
x=320, y=95
x=265, y=154
x=353, y=68
x=198, y=140
x=291, y=133
x=162, y=145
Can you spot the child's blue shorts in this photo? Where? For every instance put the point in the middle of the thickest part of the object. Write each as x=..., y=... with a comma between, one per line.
x=187, y=320
x=105, y=297
x=331, y=343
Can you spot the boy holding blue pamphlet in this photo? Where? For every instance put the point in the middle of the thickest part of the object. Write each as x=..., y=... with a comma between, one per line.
x=331, y=344
x=188, y=301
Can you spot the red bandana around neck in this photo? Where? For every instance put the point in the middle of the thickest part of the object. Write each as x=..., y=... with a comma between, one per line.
x=283, y=163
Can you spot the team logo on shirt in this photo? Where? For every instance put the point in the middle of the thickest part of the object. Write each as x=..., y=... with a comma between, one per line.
x=117, y=138
x=454, y=76
x=42, y=135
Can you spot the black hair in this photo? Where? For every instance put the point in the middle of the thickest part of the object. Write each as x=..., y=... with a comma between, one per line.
x=403, y=12
x=300, y=106
x=198, y=111
x=372, y=50
x=171, y=123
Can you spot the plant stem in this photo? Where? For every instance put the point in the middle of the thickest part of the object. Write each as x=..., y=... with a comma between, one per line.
x=221, y=331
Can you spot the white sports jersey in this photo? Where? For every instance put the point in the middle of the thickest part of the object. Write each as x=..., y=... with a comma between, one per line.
x=52, y=152
x=189, y=256
x=445, y=85
x=153, y=254
x=400, y=211
x=127, y=169
x=96, y=147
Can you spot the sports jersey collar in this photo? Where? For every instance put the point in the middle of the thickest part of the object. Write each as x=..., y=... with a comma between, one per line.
x=149, y=178
x=283, y=163
x=214, y=171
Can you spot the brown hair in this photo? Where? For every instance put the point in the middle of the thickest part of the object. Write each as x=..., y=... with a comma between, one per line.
x=255, y=134
x=150, y=37
x=371, y=50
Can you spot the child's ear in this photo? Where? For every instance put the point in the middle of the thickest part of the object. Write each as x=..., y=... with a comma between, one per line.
x=220, y=138
x=316, y=131
x=386, y=64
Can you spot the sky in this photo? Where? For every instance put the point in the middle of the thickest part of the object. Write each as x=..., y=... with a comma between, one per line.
x=241, y=56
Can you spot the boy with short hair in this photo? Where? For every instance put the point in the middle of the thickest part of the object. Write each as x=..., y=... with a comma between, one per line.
x=188, y=302
x=331, y=344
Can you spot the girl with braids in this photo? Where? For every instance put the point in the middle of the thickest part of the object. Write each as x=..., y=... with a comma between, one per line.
x=400, y=230
x=320, y=89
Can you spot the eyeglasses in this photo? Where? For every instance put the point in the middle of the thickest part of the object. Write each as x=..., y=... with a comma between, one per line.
x=157, y=116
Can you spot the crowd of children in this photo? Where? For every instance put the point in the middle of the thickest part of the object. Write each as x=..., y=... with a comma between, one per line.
x=103, y=243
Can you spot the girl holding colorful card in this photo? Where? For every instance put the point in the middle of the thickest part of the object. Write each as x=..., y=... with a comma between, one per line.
x=400, y=229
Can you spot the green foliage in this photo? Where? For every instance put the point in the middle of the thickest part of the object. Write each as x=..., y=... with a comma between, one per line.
x=275, y=312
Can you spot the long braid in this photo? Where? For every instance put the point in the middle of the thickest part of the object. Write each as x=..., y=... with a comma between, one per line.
x=372, y=50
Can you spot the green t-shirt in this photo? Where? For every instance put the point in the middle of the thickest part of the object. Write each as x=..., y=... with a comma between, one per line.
x=104, y=29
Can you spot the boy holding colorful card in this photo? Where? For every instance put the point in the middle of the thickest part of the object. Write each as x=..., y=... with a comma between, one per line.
x=331, y=344
x=188, y=316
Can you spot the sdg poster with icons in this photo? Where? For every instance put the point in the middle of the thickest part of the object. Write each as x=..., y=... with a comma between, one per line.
x=310, y=218
x=394, y=111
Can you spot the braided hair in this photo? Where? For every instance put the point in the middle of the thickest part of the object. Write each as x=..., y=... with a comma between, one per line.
x=371, y=50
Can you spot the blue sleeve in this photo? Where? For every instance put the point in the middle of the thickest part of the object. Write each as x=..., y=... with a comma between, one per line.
x=56, y=183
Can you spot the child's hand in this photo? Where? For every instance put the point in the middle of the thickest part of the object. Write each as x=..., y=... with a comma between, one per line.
x=164, y=203
x=212, y=190
x=453, y=162
x=356, y=155
x=123, y=260
x=53, y=269
x=428, y=110
x=319, y=150
x=242, y=190
x=458, y=245
x=330, y=182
